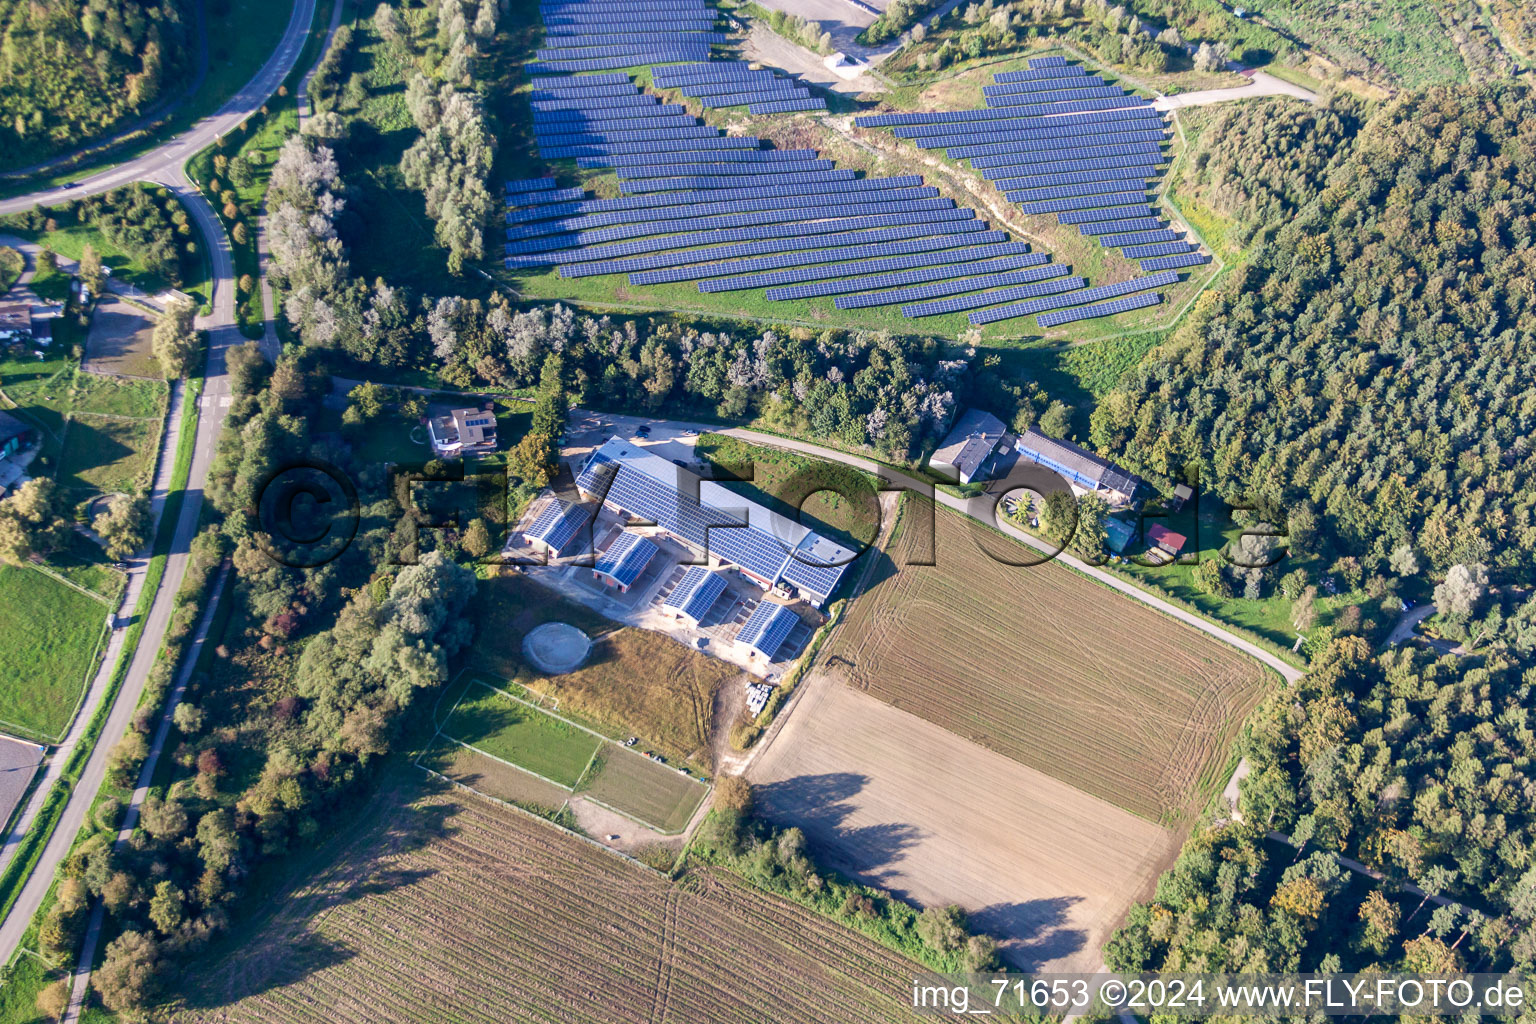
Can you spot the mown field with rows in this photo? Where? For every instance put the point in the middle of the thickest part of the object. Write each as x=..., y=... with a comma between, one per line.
x=1049, y=668
x=440, y=906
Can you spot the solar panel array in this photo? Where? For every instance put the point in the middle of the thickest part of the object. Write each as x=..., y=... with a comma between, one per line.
x=720, y=210
x=626, y=558
x=696, y=592
x=767, y=628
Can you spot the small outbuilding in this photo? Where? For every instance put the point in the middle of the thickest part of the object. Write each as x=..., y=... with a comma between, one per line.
x=558, y=527
x=624, y=561
x=969, y=445
x=694, y=595
x=766, y=629
x=1165, y=540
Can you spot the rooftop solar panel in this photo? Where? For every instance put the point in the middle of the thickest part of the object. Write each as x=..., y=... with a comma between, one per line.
x=626, y=558
x=696, y=592
x=767, y=628
x=559, y=523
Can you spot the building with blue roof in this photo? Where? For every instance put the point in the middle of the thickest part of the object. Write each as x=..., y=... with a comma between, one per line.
x=694, y=595
x=624, y=561
x=766, y=629
x=558, y=528
x=727, y=528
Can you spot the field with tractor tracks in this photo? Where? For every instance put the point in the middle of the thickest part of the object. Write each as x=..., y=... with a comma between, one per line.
x=442, y=906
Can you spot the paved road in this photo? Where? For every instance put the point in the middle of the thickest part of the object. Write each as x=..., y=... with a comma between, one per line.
x=979, y=508
x=1409, y=622
x=1260, y=83
x=167, y=161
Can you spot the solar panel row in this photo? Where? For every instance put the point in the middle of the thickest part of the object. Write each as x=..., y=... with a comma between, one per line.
x=1104, y=214
x=1029, y=152
x=693, y=239
x=1078, y=93
x=1054, y=83
x=636, y=53
x=1136, y=252
x=548, y=195
x=1077, y=298
x=575, y=92
x=1066, y=107
x=1071, y=203
x=553, y=81
x=1035, y=127
x=732, y=220
x=1110, y=227
x=1010, y=114
x=608, y=63
x=869, y=248
x=909, y=185
x=788, y=106
x=1168, y=263
x=530, y=185
x=1087, y=188
x=612, y=7
x=610, y=103
x=725, y=87
x=1028, y=267
x=1139, y=238
x=745, y=181
x=991, y=298
x=742, y=99
x=691, y=131
x=829, y=269
x=702, y=209
x=1124, y=305
x=786, y=250
x=667, y=75
x=715, y=170
x=1107, y=178
x=1017, y=176
x=724, y=156
x=551, y=129
x=565, y=42
x=660, y=146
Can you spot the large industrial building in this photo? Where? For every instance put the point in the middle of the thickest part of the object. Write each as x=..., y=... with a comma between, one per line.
x=714, y=522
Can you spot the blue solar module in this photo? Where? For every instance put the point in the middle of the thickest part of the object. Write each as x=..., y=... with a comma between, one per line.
x=1047, y=62
x=546, y=196
x=788, y=106
x=897, y=199
x=563, y=42
x=558, y=524
x=740, y=280
x=734, y=220
x=1018, y=176
x=930, y=291
x=767, y=628
x=1136, y=252
x=610, y=103
x=1110, y=227
x=529, y=185
x=716, y=170
x=636, y=53
x=558, y=132
x=960, y=303
x=741, y=99
x=1090, y=188
x=609, y=63
x=658, y=146
x=726, y=87
x=1066, y=103
x=1107, y=213
x=1039, y=270
x=780, y=190
x=1016, y=179
x=1053, y=150
x=626, y=558
x=1139, y=238
x=1110, y=308
x=1041, y=68
x=610, y=9
x=728, y=156
x=1071, y=203
x=927, y=218
x=1167, y=263
x=553, y=81
x=1027, y=128
x=1014, y=115
x=692, y=131
x=1077, y=92
x=1056, y=84
x=700, y=182
x=869, y=255
x=1103, y=291
x=787, y=251
x=710, y=69
x=574, y=92
x=637, y=115
x=696, y=593
x=807, y=572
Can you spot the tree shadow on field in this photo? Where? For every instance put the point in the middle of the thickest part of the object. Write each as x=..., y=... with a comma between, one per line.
x=819, y=805
x=281, y=945
x=1031, y=934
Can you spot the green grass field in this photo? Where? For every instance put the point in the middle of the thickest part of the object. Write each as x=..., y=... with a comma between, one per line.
x=644, y=789
x=48, y=637
x=107, y=455
x=515, y=732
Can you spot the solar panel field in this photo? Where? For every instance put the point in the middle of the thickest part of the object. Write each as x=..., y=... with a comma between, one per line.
x=440, y=906
x=1106, y=695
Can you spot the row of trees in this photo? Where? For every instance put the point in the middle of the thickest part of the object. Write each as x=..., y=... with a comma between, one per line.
x=451, y=160
x=1373, y=359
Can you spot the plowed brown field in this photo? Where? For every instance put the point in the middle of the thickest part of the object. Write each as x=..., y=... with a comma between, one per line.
x=443, y=907
x=1047, y=667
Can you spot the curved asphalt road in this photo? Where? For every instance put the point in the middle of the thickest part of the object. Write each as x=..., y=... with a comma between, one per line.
x=164, y=167
x=167, y=161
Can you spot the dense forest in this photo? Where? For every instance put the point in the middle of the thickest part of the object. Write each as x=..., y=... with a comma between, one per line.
x=1417, y=766
x=1372, y=365
x=70, y=70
